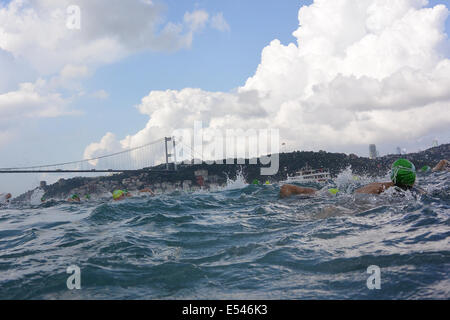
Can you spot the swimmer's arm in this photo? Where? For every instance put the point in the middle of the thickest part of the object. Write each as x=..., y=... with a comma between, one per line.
x=375, y=188
x=147, y=190
x=290, y=190
x=441, y=166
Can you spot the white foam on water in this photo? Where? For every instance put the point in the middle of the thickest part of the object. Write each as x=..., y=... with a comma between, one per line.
x=238, y=183
x=439, y=181
x=393, y=193
x=347, y=181
x=36, y=197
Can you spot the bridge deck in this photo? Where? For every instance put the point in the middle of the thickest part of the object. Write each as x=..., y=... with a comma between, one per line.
x=87, y=171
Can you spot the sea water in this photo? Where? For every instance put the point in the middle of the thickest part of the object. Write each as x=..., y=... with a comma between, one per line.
x=239, y=242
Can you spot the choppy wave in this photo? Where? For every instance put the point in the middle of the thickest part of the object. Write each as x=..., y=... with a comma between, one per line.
x=240, y=242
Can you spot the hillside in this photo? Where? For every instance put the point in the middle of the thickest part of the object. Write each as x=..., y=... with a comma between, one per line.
x=215, y=175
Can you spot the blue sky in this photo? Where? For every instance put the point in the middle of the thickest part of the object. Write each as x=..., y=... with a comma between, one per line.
x=216, y=61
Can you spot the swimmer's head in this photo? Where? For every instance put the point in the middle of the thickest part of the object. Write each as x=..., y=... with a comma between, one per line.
x=403, y=173
x=76, y=197
x=117, y=194
x=8, y=196
x=333, y=191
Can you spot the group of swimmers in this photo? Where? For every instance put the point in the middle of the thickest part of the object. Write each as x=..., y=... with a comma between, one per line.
x=117, y=195
x=74, y=198
x=257, y=182
x=403, y=176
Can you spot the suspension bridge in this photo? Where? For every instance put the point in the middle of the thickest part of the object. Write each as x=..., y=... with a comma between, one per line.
x=146, y=158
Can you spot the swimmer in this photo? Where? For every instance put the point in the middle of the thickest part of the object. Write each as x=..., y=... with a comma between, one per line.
x=120, y=195
x=74, y=198
x=147, y=190
x=425, y=169
x=289, y=190
x=443, y=165
x=403, y=176
x=5, y=198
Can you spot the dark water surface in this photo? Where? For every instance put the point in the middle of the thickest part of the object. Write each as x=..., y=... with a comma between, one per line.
x=239, y=243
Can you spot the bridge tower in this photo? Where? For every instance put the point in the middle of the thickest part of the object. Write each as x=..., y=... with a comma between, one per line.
x=171, y=155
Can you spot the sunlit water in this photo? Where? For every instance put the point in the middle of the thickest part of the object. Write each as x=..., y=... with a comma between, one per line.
x=241, y=242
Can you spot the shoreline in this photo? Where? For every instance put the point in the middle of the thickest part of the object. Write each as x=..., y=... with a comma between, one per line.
x=196, y=177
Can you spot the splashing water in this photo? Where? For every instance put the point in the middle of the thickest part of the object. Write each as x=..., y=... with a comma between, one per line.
x=238, y=183
x=36, y=197
x=243, y=242
x=347, y=181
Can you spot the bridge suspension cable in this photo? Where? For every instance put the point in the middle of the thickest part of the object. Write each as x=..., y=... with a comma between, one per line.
x=132, y=159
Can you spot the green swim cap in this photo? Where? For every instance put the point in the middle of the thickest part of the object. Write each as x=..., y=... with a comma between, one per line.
x=256, y=181
x=333, y=191
x=425, y=169
x=403, y=173
x=117, y=194
x=75, y=197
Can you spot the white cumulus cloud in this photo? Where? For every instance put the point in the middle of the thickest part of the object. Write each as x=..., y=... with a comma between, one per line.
x=36, y=42
x=107, y=145
x=362, y=71
x=109, y=30
x=31, y=100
